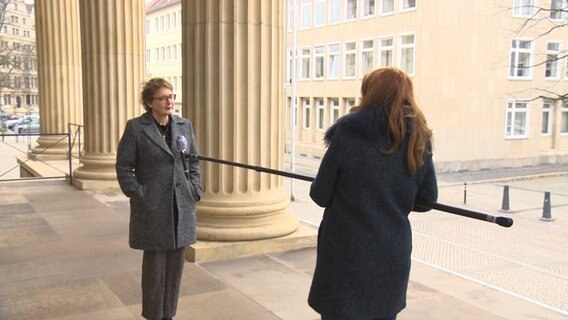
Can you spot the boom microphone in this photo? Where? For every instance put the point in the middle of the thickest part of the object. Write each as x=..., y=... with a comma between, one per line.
x=182, y=146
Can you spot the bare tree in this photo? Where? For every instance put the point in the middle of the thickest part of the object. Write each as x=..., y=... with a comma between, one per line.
x=542, y=22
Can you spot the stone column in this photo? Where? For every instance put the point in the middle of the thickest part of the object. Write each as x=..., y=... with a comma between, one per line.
x=113, y=45
x=59, y=74
x=233, y=94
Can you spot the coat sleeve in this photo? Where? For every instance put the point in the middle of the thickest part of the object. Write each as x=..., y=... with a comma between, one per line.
x=126, y=161
x=428, y=190
x=194, y=171
x=323, y=186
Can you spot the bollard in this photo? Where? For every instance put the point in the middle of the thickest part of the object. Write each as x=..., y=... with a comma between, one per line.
x=546, y=215
x=465, y=193
x=505, y=202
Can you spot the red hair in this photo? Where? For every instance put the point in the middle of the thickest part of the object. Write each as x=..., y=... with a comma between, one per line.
x=392, y=89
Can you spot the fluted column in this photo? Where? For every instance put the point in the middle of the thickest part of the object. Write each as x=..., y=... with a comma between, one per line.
x=233, y=94
x=59, y=74
x=112, y=44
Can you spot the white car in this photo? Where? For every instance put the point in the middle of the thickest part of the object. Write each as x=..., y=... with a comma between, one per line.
x=27, y=125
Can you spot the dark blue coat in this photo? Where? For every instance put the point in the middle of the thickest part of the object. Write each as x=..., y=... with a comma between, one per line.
x=150, y=173
x=364, y=240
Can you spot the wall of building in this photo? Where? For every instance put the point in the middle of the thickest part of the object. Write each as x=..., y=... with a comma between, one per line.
x=462, y=52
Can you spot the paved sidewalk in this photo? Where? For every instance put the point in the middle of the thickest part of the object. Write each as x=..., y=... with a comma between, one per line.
x=64, y=255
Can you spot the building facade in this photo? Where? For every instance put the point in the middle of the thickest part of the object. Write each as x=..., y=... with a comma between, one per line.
x=18, y=63
x=479, y=75
x=163, y=44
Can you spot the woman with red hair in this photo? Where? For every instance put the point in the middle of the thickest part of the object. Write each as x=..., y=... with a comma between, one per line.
x=377, y=166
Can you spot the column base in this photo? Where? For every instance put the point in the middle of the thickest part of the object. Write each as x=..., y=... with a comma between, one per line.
x=204, y=251
x=86, y=184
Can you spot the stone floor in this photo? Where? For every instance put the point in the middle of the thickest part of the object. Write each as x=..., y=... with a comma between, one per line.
x=64, y=255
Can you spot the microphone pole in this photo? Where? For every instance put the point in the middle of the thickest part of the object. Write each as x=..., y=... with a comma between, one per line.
x=502, y=221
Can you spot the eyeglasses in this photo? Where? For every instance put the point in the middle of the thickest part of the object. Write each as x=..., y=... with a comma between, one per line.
x=171, y=97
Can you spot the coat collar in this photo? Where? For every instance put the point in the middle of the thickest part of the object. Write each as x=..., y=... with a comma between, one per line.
x=153, y=133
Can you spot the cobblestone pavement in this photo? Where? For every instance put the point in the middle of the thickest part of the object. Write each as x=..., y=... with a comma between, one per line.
x=529, y=259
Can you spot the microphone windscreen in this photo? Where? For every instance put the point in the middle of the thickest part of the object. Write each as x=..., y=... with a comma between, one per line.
x=181, y=143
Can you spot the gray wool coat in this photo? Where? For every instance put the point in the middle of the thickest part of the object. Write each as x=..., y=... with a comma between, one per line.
x=364, y=239
x=150, y=174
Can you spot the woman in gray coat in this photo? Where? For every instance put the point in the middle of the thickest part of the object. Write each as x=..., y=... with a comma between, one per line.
x=163, y=188
x=377, y=165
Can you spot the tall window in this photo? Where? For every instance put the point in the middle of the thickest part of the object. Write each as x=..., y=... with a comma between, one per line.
x=516, y=126
x=408, y=5
x=334, y=11
x=564, y=118
x=289, y=66
x=147, y=26
x=349, y=103
x=552, y=56
x=307, y=112
x=305, y=73
x=319, y=62
x=319, y=113
x=333, y=52
x=523, y=8
x=334, y=107
x=406, y=62
x=369, y=8
x=306, y=14
x=367, y=56
x=386, y=49
x=320, y=13
x=387, y=6
x=521, y=58
x=556, y=7
x=351, y=9
x=350, y=51
x=546, y=123
x=148, y=54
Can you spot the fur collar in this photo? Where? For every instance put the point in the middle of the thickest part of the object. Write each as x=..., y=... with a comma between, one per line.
x=368, y=123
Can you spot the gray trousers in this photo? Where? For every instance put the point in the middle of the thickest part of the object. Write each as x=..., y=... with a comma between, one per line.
x=161, y=277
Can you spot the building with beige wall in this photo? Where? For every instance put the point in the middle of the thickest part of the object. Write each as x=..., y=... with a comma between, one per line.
x=163, y=44
x=476, y=76
x=18, y=64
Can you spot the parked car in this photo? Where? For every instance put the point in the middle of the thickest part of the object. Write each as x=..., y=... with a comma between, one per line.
x=28, y=125
x=11, y=124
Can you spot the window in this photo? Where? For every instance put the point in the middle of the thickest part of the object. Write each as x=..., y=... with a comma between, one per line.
x=523, y=8
x=334, y=105
x=564, y=118
x=350, y=51
x=334, y=9
x=148, y=58
x=349, y=103
x=320, y=113
x=407, y=5
x=162, y=23
x=351, y=10
x=168, y=23
x=157, y=54
x=556, y=8
x=516, y=119
x=306, y=14
x=320, y=13
x=333, y=52
x=289, y=67
x=387, y=7
x=546, y=124
x=521, y=56
x=386, y=49
x=367, y=56
x=147, y=26
x=319, y=62
x=307, y=112
x=305, y=72
x=369, y=8
x=406, y=61
x=552, y=57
